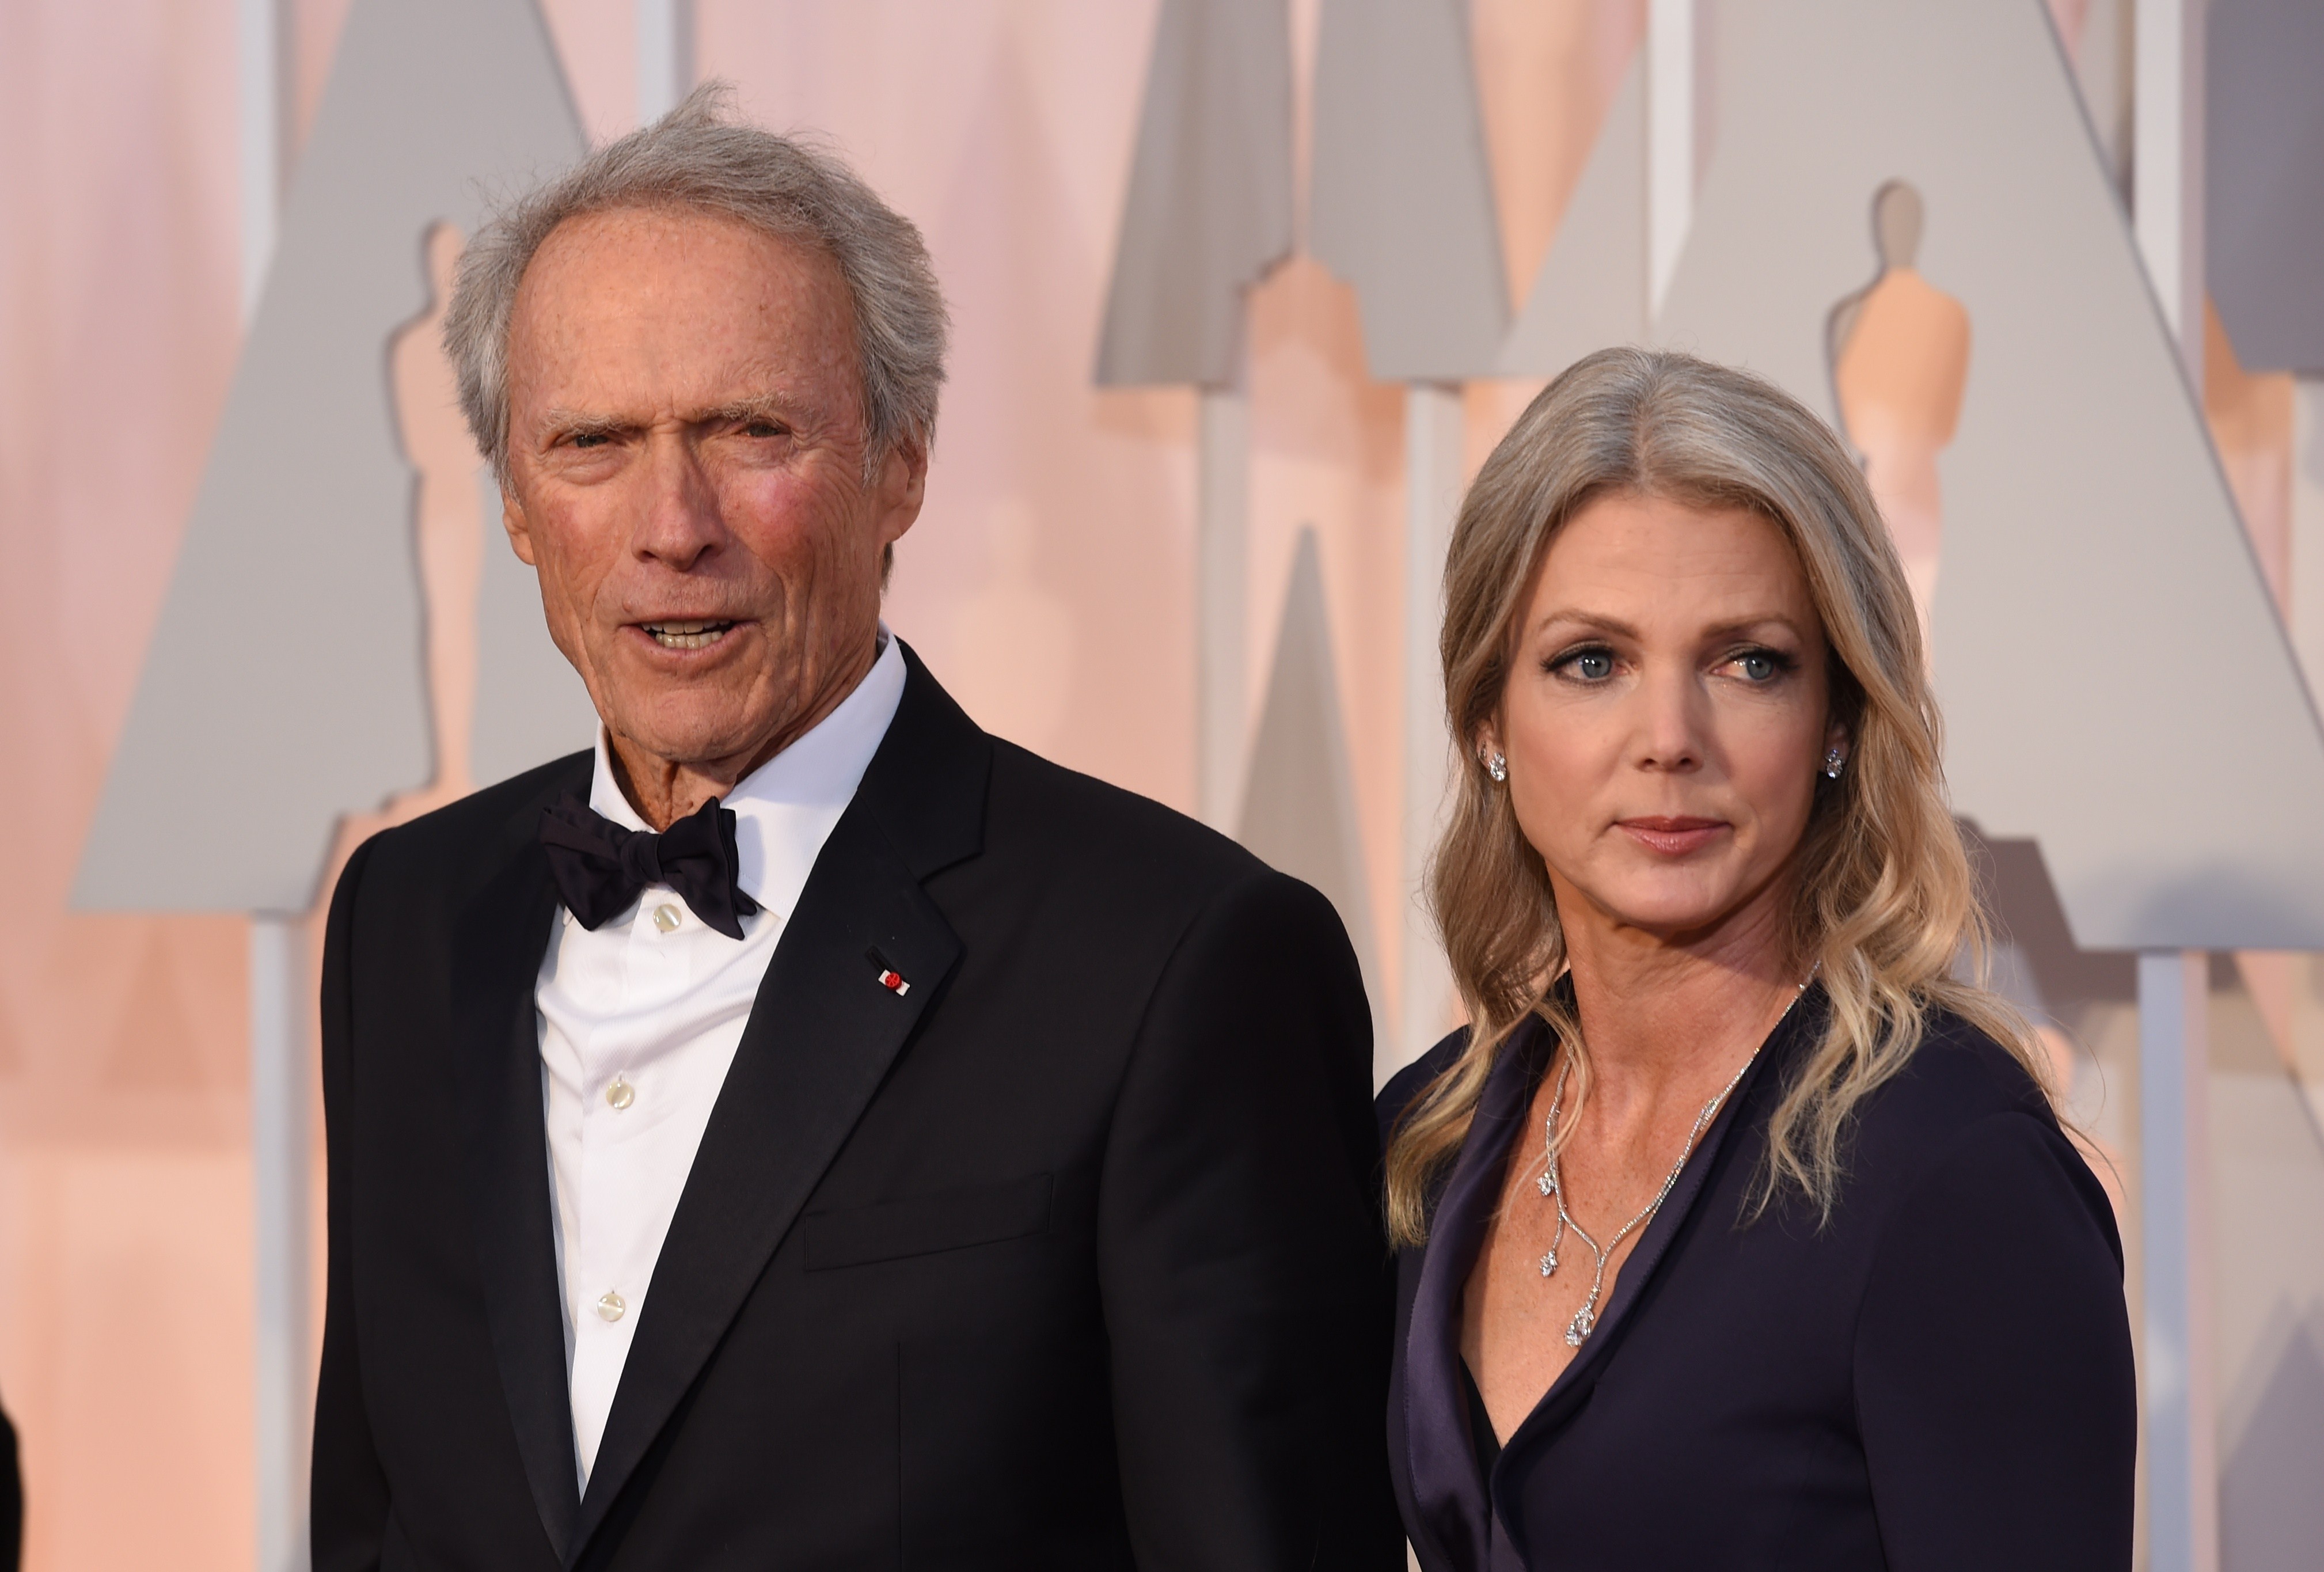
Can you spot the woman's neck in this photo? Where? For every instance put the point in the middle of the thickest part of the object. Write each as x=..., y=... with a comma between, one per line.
x=1661, y=1013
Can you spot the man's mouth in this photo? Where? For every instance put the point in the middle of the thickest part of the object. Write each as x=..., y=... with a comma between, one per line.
x=686, y=635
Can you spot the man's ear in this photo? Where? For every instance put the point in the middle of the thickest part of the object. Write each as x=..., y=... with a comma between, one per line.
x=902, y=487
x=520, y=535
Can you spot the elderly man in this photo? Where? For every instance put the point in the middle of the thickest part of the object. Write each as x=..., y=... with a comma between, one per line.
x=806, y=1132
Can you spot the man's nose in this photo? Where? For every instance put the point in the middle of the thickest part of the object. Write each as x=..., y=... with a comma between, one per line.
x=679, y=520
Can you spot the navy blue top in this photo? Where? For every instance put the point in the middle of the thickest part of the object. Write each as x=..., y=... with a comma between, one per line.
x=1939, y=1377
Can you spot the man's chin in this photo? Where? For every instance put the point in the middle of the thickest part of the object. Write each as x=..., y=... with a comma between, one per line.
x=693, y=741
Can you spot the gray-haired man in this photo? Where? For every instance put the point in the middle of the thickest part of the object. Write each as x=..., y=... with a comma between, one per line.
x=806, y=1131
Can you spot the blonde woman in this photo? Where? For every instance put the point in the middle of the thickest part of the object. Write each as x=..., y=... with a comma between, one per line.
x=1738, y=1231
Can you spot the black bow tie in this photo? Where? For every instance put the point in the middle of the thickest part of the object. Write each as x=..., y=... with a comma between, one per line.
x=601, y=867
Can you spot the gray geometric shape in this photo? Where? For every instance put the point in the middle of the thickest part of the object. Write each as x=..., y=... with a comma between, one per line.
x=531, y=706
x=284, y=684
x=2263, y=179
x=2271, y=1513
x=1299, y=805
x=2036, y=966
x=1592, y=288
x=1209, y=209
x=2116, y=684
x=1401, y=198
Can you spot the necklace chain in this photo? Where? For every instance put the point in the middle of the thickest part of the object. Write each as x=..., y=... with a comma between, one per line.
x=1585, y=1320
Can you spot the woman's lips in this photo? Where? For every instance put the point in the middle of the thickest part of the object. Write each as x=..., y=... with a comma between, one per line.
x=1674, y=837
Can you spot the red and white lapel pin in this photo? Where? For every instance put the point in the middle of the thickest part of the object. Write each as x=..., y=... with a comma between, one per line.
x=889, y=977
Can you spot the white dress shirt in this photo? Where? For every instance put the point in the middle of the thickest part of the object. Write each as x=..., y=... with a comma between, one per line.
x=640, y=1019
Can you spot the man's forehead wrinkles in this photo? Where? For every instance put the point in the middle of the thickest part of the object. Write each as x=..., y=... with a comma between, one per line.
x=774, y=402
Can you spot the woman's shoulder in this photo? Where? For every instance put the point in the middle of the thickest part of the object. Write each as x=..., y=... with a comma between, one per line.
x=1958, y=1076
x=1403, y=1087
x=1960, y=1087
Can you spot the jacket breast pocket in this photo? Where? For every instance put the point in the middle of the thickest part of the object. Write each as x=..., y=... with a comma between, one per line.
x=925, y=1225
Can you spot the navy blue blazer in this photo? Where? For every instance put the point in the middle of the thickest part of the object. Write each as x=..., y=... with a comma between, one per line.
x=1939, y=1377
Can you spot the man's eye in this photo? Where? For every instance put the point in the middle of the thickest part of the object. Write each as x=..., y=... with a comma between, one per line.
x=762, y=429
x=590, y=438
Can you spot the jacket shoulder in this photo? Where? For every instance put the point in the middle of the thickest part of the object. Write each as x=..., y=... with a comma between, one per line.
x=1108, y=830
x=1958, y=1076
x=463, y=835
x=1957, y=1082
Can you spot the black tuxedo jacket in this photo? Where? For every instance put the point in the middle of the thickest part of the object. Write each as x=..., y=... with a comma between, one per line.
x=1068, y=1257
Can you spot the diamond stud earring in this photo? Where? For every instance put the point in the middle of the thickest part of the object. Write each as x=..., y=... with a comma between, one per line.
x=1498, y=767
x=1834, y=761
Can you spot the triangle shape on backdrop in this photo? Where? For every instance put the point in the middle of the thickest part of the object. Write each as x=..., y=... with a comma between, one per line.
x=531, y=706
x=1209, y=209
x=2116, y=684
x=284, y=686
x=2263, y=179
x=1400, y=201
x=1299, y=805
x=1591, y=290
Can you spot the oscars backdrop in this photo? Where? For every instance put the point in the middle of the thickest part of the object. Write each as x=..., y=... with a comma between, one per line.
x=1242, y=292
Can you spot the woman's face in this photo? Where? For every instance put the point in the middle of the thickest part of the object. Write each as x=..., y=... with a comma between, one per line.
x=1667, y=716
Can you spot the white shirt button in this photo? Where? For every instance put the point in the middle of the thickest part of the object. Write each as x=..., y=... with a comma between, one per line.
x=610, y=1306
x=666, y=917
x=620, y=1094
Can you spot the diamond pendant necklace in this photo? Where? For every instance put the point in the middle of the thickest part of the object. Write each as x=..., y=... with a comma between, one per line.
x=1585, y=1320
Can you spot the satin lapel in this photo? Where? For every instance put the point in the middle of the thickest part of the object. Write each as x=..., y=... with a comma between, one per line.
x=501, y=937
x=822, y=1034
x=1449, y=1493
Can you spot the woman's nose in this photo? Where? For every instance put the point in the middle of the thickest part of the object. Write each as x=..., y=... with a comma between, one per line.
x=1671, y=712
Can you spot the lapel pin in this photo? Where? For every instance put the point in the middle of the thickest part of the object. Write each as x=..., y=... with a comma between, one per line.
x=889, y=977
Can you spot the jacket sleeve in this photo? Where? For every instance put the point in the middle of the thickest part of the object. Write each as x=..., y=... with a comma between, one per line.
x=1240, y=1256
x=1995, y=1390
x=347, y=1490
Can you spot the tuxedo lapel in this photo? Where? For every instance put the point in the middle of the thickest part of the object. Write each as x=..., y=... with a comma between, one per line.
x=502, y=934
x=823, y=1032
x=821, y=1037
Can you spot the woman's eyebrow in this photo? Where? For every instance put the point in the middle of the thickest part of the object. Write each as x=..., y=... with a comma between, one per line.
x=1586, y=621
x=1579, y=621
x=1735, y=626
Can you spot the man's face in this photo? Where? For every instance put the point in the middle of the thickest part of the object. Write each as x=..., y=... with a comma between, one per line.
x=686, y=471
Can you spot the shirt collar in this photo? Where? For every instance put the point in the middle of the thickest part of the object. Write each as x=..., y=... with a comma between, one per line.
x=784, y=808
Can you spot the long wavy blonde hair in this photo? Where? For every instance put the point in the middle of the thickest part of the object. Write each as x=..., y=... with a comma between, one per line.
x=1887, y=904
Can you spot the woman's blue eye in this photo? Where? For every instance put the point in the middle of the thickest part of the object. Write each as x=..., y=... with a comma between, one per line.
x=1593, y=665
x=1758, y=666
